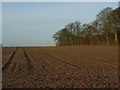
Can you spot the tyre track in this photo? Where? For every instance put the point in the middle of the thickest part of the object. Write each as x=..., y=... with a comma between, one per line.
x=86, y=59
x=13, y=68
x=41, y=63
x=9, y=61
x=32, y=62
x=46, y=63
x=60, y=60
x=19, y=64
x=28, y=60
x=47, y=71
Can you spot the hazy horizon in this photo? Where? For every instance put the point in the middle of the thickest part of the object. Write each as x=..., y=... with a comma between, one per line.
x=33, y=24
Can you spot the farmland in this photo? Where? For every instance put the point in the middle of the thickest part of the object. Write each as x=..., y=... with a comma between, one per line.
x=60, y=67
x=0, y=67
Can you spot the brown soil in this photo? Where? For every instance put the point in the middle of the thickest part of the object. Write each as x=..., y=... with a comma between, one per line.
x=0, y=67
x=60, y=67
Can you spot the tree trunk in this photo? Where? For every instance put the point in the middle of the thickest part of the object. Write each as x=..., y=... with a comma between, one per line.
x=107, y=38
x=91, y=40
x=116, y=37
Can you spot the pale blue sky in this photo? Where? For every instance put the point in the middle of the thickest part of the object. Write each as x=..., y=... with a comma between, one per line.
x=31, y=23
x=0, y=23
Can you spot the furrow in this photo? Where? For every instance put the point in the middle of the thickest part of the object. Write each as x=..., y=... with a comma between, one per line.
x=28, y=60
x=60, y=60
x=9, y=61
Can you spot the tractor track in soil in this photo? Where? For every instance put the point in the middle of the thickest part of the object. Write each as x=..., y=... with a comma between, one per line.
x=9, y=61
x=45, y=69
x=31, y=60
x=57, y=59
x=28, y=60
x=85, y=58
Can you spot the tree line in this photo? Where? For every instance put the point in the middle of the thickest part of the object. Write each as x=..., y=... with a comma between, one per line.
x=102, y=31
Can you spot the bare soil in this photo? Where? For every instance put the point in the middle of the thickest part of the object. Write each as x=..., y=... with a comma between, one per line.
x=60, y=67
x=0, y=67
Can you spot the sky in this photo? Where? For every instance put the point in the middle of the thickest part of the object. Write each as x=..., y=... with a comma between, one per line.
x=0, y=23
x=34, y=23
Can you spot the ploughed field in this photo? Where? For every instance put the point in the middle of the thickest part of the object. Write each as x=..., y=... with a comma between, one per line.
x=0, y=67
x=60, y=67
